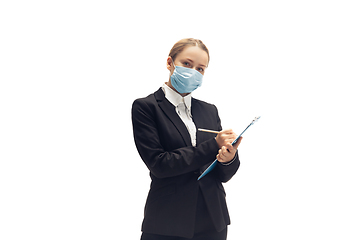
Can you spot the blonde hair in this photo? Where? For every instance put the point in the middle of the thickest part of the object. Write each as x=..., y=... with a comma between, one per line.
x=183, y=43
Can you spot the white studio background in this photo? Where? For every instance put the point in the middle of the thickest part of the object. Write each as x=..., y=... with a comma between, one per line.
x=70, y=71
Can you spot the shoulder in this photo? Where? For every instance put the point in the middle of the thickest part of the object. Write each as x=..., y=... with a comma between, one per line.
x=147, y=106
x=144, y=100
x=150, y=99
x=203, y=104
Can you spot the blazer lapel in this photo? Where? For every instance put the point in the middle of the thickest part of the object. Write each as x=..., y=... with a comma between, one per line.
x=170, y=112
x=200, y=122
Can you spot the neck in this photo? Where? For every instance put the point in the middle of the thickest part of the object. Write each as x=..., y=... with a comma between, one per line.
x=182, y=94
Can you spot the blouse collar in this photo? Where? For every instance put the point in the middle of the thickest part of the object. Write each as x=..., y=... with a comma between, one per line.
x=175, y=98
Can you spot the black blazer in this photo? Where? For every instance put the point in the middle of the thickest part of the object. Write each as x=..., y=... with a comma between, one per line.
x=164, y=144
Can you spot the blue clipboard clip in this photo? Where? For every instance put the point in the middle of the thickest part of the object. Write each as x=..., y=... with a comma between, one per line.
x=211, y=167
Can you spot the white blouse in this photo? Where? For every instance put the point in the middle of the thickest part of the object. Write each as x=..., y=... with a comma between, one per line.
x=183, y=109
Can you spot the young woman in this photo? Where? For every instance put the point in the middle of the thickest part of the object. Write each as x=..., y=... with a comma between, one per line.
x=165, y=127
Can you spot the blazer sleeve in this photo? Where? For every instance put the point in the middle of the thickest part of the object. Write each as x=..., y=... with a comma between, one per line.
x=160, y=162
x=224, y=172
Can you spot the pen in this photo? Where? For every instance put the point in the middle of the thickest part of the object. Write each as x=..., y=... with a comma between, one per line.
x=215, y=161
x=209, y=131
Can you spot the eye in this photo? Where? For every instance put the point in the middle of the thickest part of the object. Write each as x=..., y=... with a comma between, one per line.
x=186, y=64
x=200, y=69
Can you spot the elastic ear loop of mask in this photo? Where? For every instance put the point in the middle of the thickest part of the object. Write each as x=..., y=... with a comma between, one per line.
x=173, y=63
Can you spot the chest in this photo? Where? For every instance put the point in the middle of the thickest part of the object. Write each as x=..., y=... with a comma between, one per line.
x=173, y=132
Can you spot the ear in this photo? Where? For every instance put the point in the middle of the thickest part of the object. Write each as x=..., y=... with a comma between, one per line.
x=169, y=63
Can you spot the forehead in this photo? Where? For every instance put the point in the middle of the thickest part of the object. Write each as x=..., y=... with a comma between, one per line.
x=196, y=54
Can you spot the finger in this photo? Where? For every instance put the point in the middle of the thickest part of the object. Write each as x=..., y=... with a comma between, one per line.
x=229, y=147
x=236, y=145
x=226, y=132
x=221, y=151
x=223, y=155
x=226, y=153
x=224, y=150
x=218, y=157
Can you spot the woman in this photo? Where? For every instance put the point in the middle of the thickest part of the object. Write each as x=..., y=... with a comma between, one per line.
x=164, y=125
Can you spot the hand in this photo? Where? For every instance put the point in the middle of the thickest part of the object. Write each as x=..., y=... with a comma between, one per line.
x=225, y=138
x=225, y=154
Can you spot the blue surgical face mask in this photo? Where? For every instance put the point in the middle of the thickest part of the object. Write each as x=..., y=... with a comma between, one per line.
x=185, y=80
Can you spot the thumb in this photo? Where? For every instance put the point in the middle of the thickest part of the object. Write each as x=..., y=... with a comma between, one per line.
x=236, y=145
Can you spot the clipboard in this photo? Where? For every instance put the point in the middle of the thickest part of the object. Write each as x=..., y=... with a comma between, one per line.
x=213, y=164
